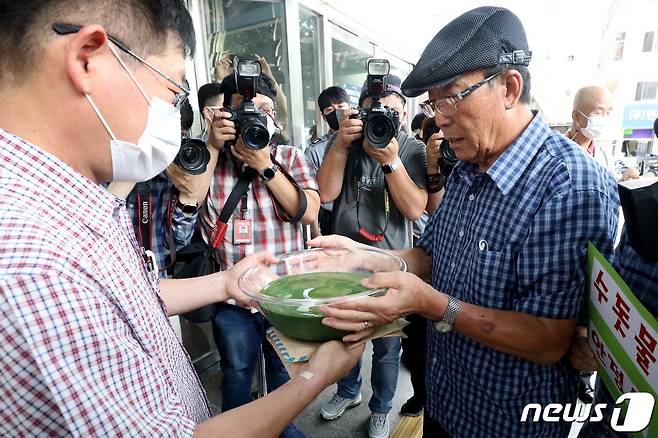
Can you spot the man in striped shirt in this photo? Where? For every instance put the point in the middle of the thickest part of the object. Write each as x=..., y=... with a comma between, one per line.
x=86, y=348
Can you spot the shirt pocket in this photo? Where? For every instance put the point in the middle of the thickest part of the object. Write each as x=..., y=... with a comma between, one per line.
x=491, y=278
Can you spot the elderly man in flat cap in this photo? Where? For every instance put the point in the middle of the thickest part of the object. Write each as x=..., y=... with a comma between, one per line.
x=505, y=252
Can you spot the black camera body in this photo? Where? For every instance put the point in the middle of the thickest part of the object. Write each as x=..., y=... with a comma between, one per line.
x=447, y=158
x=380, y=123
x=250, y=121
x=193, y=156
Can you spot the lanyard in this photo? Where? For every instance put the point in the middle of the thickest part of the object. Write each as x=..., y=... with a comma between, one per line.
x=145, y=224
x=387, y=208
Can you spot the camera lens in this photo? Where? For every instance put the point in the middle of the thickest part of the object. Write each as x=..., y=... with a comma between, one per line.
x=255, y=135
x=447, y=158
x=193, y=156
x=379, y=131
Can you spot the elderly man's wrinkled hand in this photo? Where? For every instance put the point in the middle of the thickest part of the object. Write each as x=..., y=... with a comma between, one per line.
x=403, y=296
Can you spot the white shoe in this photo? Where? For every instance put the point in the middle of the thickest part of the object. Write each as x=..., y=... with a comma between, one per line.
x=379, y=427
x=335, y=407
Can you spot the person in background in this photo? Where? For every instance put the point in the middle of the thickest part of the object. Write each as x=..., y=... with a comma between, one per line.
x=281, y=103
x=211, y=99
x=378, y=193
x=172, y=198
x=272, y=212
x=592, y=107
x=86, y=347
x=331, y=99
x=417, y=125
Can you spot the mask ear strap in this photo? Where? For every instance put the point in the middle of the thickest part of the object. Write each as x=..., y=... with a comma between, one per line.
x=100, y=116
x=130, y=73
x=276, y=123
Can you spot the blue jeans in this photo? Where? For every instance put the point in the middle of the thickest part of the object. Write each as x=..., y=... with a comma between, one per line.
x=384, y=376
x=239, y=334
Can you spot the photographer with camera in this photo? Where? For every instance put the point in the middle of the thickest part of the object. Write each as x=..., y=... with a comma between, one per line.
x=163, y=210
x=374, y=173
x=278, y=196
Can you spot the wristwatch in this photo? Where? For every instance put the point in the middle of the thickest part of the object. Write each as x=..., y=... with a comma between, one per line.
x=390, y=168
x=445, y=325
x=268, y=173
x=188, y=208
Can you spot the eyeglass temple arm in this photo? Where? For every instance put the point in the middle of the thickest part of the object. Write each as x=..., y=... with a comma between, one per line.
x=67, y=29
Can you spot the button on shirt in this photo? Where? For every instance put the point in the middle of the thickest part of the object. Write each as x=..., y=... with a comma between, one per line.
x=86, y=348
x=513, y=238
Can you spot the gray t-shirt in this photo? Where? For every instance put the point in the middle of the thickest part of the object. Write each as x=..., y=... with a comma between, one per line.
x=315, y=155
x=372, y=217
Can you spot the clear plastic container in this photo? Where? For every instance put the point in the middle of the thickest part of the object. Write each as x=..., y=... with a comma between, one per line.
x=290, y=291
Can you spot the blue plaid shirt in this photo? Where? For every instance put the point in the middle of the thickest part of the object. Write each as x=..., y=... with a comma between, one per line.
x=182, y=224
x=513, y=238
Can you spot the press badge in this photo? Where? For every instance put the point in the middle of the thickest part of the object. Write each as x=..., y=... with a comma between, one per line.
x=241, y=231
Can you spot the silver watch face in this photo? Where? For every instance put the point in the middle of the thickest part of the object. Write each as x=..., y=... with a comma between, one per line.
x=442, y=327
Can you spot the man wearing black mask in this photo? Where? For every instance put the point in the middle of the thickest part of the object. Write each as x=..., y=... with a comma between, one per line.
x=330, y=100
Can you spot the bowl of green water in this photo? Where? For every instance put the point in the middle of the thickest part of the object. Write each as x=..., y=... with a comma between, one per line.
x=291, y=291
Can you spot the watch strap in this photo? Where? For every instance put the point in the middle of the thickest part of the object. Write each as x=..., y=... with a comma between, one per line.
x=392, y=167
x=268, y=173
x=451, y=311
x=187, y=208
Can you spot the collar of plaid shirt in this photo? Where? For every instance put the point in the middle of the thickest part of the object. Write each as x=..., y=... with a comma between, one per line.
x=509, y=167
x=85, y=343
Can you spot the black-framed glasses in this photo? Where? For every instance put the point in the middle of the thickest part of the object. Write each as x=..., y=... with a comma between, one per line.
x=447, y=106
x=179, y=97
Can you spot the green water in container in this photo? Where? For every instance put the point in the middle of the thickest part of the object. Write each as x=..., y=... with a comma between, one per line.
x=304, y=322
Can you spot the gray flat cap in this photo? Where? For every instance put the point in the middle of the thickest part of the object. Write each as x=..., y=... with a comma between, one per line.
x=480, y=38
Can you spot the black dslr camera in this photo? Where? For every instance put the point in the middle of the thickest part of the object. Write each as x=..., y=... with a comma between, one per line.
x=250, y=122
x=380, y=123
x=193, y=156
x=447, y=158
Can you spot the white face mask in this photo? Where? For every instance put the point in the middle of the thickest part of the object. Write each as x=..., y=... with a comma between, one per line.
x=596, y=126
x=156, y=148
x=271, y=126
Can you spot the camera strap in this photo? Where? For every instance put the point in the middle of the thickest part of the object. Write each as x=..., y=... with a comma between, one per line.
x=145, y=223
x=239, y=191
x=372, y=237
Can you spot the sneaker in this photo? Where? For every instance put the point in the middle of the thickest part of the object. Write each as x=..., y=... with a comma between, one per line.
x=379, y=427
x=412, y=407
x=337, y=405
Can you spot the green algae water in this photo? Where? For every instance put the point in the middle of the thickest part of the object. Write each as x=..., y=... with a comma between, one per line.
x=304, y=322
x=316, y=285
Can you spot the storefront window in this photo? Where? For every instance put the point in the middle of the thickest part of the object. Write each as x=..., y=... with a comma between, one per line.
x=350, y=54
x=248, y=27
x=309, y=38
